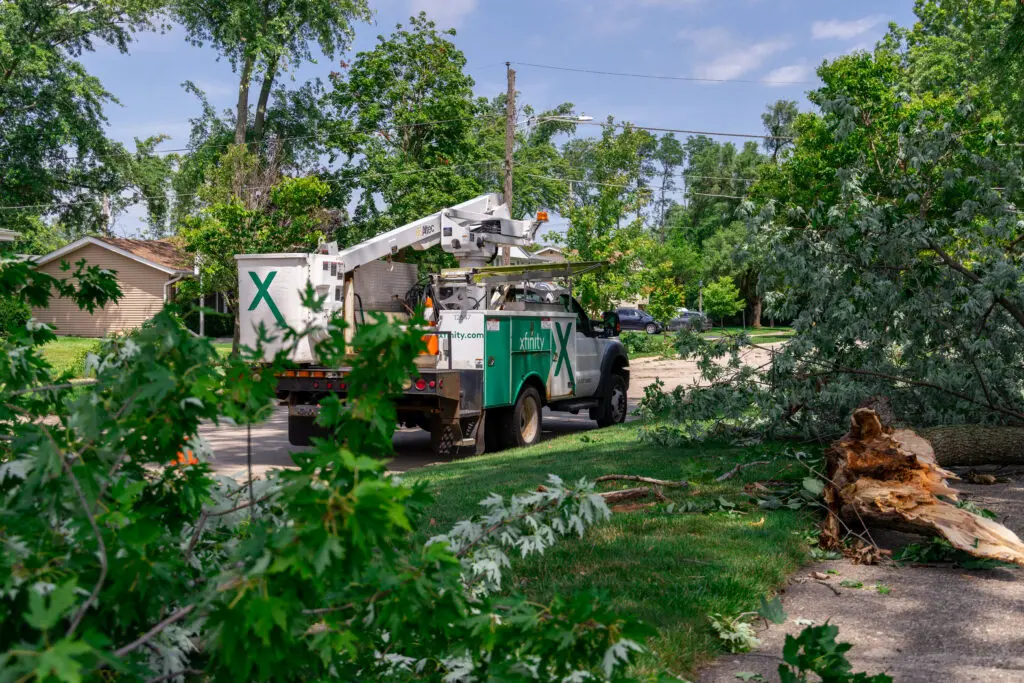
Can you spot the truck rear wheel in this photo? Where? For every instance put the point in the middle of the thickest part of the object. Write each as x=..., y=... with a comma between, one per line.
x=614, y=405
x=524, y=426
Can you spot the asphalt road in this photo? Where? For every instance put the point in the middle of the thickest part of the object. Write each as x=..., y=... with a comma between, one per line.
x=270, y=447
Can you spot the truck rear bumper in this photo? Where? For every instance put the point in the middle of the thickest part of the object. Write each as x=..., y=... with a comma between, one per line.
x=429, y=391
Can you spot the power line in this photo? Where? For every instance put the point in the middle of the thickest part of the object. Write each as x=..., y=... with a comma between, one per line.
x=687, y=132
x=330, y=181
x=656, y=77
x=648, y=187
x=371, y=174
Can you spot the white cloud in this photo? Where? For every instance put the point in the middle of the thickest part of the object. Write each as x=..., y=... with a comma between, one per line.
x=788, y=74
x=844, y=30
x=444, y=12
x=737, y=62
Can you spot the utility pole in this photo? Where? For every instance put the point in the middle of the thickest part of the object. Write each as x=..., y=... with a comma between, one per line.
x=510, y=139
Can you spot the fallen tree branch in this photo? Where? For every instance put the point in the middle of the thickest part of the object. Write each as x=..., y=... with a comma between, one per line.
x=148, y=635
x=613, y=497
x=101, y=548
x=54, y=387
x=644, y=480
x=741, y=466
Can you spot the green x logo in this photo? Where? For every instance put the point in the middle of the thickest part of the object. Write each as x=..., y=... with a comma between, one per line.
x=263, y=293
x=563, y=353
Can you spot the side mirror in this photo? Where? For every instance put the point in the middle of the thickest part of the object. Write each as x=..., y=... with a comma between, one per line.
x=612, y=325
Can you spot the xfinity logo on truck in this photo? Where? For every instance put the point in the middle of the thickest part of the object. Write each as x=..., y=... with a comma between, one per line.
x=263, y=294
x=531, y=343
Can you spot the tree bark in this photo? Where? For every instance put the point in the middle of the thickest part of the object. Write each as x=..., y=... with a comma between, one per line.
x=755, y=313
x=242, y=108
x=970, y=445
x=261, y=104
x=884, y=477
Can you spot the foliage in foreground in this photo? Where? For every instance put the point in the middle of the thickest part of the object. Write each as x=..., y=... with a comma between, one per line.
x=116, y=565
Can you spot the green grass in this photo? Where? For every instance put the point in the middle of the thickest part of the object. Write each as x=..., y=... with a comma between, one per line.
x=671, y=570
x=66, y=354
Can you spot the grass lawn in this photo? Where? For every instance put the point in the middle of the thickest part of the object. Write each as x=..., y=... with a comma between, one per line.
x=670, y=569
x=68, y=353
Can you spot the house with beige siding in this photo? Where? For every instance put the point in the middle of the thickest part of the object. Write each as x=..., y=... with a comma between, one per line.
x=147, y=271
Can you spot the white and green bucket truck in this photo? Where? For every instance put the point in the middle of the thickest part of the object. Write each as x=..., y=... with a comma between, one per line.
x=504, y=341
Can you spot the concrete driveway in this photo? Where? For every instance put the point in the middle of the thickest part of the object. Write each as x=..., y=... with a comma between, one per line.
x=270, y=447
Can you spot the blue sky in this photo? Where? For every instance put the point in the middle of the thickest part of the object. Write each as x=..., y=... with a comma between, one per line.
x=744, y=40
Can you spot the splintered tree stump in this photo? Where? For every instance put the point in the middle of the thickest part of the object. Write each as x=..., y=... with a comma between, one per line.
x=890, y=478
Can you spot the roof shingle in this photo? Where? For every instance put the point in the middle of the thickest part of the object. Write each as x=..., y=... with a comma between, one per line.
x=162, y=252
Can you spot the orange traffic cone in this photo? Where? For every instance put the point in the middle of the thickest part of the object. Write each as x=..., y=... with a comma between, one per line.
x=186, y=456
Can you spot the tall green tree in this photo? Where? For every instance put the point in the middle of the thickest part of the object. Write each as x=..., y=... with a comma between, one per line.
x=670, y=156
x=412, y=137
x=55, y=156
x=778, y=119
x=402, y=115
x=606, y=213
x=708, y=233
x=264, y=38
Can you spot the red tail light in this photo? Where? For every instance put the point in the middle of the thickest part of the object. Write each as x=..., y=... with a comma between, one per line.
x=421, y=384
x=433, y=384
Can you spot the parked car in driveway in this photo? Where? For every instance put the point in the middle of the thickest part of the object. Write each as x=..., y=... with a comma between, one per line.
x=635, y=319
x=689, y=320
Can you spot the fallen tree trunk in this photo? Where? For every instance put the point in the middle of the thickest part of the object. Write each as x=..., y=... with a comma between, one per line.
x=971, y=445
x=885, y=477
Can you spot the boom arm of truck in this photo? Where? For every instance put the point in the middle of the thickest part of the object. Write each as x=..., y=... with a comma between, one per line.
x=471, y=231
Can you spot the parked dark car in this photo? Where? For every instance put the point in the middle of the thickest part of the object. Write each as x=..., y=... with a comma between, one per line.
x=635, y=319
x=689, y=320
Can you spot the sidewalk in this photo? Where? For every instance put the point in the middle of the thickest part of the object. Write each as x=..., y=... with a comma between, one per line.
x=938, y=624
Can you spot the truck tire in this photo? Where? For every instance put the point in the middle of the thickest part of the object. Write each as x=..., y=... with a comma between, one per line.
x=652, y=328
x=614, y=405
x=524, y=427
x=301, y=430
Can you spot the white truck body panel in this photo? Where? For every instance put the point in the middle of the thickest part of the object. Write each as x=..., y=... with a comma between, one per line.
x=467, y=338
